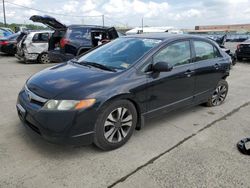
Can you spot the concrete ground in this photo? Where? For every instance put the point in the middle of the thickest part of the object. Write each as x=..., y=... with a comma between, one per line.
x=189, y=148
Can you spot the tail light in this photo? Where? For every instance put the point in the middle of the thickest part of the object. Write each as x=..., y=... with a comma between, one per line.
x=63, y=42
x=238, y=46
x=4, y=43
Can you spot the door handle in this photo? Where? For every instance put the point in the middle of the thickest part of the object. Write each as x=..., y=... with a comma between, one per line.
x=216, y=66
x=189, y=73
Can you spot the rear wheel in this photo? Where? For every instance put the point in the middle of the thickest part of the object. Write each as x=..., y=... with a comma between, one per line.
x=219, y=94
x=44, y=58
x=115, y=125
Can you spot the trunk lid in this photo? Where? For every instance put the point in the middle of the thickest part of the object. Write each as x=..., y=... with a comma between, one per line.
x=49, y=21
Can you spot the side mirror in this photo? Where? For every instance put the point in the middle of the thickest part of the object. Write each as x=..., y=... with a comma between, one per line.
x=162, y=67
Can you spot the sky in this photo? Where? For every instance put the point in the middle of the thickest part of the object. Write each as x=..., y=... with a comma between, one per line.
x=177, y=13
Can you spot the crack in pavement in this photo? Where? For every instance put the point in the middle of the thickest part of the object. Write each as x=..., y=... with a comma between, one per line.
x=151, y=161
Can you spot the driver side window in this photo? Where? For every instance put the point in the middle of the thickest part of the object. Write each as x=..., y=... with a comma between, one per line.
x=175, y=54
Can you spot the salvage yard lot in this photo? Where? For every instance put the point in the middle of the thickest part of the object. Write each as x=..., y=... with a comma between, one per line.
x=193, y=147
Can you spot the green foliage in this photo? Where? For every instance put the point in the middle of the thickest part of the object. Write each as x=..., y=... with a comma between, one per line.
x=29, y=26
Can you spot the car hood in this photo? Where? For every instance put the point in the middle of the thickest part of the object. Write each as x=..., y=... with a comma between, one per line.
x=48, y=21
x=65, y=78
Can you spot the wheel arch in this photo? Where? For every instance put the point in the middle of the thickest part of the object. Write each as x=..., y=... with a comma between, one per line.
x=130, y=98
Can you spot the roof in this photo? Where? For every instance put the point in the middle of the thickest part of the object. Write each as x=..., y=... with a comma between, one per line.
x=149, y=29
x=89, y=26
x=164, y=36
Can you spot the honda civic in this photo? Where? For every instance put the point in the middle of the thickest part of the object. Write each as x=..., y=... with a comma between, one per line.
x=102, y=96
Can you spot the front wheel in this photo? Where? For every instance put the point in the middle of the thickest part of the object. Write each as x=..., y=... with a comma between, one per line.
x=219, y=94
x=115, y=125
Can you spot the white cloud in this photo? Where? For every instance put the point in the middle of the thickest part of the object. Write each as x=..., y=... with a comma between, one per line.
x=70, y=6
x=182, y=14
x=24, y=2
x=88, y=5
x=122, y=8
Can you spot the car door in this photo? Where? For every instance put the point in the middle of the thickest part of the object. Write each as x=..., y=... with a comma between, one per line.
x=208, y=70
x=170, y=90
x=39, y=43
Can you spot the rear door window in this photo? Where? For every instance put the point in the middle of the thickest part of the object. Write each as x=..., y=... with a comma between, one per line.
x=41, y=37
x=205, y=51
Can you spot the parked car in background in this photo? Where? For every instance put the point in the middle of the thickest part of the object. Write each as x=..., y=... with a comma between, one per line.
x=8, y=45
x=70, y=41
x=103, y=95
x=243, y=50
x=4, y=32
x=34, y=47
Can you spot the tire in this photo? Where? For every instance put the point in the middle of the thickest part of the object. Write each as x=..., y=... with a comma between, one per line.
x=219, y=94
x=112, y=132
x=44, y=58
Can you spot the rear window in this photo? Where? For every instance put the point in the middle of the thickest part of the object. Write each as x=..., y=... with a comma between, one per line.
x=78, y=34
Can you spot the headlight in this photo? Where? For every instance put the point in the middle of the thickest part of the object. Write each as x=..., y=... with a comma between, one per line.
x=68, y=104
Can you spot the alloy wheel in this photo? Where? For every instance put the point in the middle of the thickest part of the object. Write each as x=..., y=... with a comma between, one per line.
x=219, y=95
x=117, y=125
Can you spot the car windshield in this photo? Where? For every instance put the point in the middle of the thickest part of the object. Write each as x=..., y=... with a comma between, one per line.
x=120, y=53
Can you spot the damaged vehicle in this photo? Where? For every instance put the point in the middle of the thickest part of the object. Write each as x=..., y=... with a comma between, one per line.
x=73, y=40
x=33, y=47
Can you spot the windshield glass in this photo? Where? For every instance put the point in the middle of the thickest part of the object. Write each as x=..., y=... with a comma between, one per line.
x=120, y=53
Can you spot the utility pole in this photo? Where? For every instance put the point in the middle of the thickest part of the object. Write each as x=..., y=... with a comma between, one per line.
x=142, y=24
x=4, y=16
x=103, y=20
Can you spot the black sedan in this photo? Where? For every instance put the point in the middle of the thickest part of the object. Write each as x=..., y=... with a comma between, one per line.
x=8, y=44
x=104, y=95
x=243, y=50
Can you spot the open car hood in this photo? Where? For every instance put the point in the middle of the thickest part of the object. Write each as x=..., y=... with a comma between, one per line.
x=49, y=21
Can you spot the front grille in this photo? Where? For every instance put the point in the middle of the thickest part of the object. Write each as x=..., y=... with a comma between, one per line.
x=35, y=98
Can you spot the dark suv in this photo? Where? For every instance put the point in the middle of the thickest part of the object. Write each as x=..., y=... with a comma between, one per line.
x=70, y=41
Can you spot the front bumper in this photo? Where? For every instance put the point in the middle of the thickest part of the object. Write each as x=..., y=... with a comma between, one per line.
x=61, y=127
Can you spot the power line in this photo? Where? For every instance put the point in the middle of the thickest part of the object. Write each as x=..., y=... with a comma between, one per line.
x=47, y=12
x=67, y=15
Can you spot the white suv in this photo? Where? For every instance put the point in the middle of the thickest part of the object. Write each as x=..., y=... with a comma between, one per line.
x=34, y=47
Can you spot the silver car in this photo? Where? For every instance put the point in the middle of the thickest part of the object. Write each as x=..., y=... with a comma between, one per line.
x=34, y=47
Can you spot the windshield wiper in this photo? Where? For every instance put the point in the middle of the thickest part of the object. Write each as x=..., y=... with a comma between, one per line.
x=93, y=64
x=97, y=65
x=80, y=63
